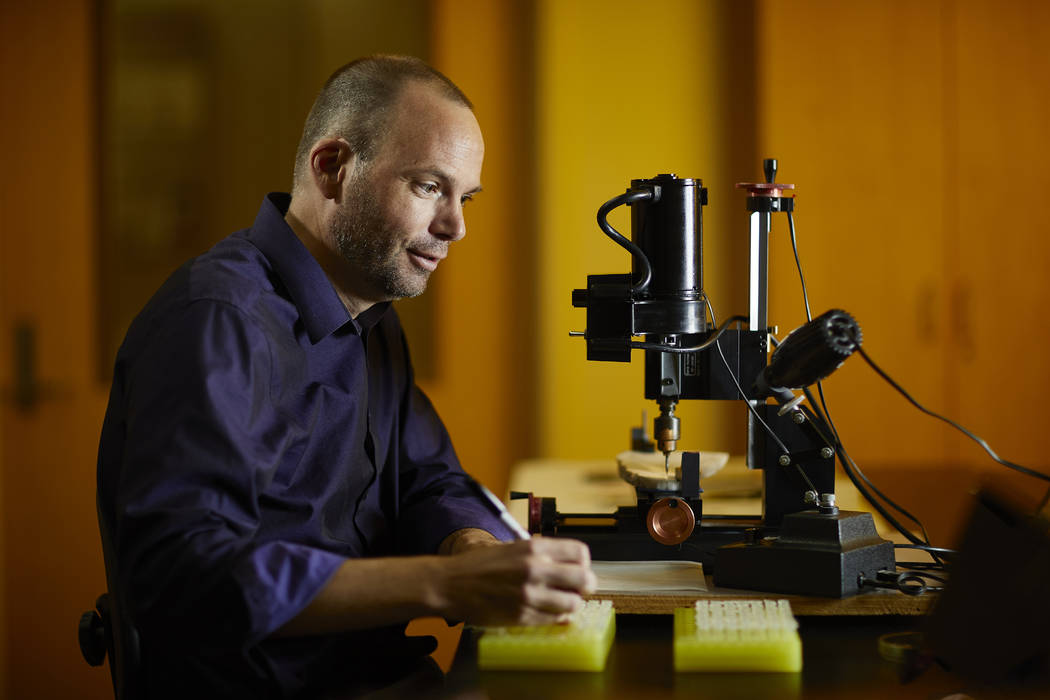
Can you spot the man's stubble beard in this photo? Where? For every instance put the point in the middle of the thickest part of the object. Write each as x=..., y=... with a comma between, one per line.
x=373, y=247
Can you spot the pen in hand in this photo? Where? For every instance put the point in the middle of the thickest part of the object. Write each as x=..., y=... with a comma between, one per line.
x=501, y=510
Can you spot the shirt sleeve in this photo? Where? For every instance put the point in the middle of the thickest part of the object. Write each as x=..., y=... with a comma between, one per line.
x=202, y=441
x=436, y=496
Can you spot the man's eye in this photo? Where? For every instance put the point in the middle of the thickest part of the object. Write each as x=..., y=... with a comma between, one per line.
x=428, y=187
x=466, y=198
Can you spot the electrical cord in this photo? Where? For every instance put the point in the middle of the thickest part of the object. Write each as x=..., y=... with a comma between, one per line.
x=908, y=582
x=640, y=345
x=798, y=264
x=628, y=197
x=852, y=470
x=923, y=566
x=809, y=317
x=949, y=421
x=856, y=476
x=732, y=375
x=929, y=549
x=899, y=388
x=854, y=473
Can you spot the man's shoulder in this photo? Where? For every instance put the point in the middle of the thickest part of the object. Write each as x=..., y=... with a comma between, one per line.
x=234, y=271
x=233, y=274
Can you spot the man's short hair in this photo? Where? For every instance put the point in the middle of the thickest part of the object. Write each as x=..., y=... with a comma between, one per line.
x=355, y=104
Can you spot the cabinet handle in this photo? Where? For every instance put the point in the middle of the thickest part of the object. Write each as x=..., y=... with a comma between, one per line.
x=965, y=340
x=28, y=389
x=926, y=316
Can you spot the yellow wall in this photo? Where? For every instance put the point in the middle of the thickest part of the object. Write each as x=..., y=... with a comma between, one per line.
x=627, y=91
x=484, y=390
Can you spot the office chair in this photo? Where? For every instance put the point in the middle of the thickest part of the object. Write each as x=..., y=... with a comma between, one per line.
x=108, y=629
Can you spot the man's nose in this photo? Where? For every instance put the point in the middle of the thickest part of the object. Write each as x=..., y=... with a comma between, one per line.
x=449, y=222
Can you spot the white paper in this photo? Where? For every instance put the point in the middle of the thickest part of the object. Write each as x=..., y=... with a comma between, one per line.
x=649, y=577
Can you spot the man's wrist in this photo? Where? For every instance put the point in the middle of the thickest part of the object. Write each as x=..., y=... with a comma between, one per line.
x=466, y=539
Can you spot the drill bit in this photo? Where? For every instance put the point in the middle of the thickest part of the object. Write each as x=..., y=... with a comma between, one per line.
x=667, y=468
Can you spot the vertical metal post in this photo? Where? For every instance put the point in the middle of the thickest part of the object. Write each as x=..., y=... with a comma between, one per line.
x=758, y=315
x=764, y=199
x=758, y=273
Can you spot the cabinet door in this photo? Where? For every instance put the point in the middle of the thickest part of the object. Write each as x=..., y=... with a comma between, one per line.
x=51, y=402
x=852, y=103
x=996, y=228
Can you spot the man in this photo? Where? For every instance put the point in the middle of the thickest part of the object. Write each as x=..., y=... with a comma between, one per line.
x=281, y=496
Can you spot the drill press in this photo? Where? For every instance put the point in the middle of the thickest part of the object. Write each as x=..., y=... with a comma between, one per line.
x=663, y=302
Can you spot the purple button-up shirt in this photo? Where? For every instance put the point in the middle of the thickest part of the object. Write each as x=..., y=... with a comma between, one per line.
x=256, y=437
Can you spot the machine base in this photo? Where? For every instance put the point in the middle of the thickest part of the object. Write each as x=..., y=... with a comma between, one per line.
x=623, y=537
x=821, y=554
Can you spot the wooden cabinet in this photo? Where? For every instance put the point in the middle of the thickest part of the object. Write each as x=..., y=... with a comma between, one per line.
x=999, y=235
x=916, y=133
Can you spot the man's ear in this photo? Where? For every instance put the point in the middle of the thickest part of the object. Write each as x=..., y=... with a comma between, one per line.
x=330, y=161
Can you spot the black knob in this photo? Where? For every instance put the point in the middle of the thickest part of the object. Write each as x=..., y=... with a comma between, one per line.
x=769, y=166
x=813, y=350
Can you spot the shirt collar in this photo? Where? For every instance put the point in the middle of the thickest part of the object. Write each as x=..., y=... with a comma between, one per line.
x=319, y=305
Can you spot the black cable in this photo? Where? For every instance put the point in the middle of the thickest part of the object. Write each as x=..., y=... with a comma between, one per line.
x=929, y=549
x=850, y=467
x=798, y=264
x=899, y=388
x=802, y=473
x=848, y=464
x=809, y=317
x=732, y=375
x=909, y=582
x=855, y=474
x=964, y=431
x=852, y=471
x=603, y=211
x=923, y=565
x=639, y=345
x=914, y=582
x=754, y=412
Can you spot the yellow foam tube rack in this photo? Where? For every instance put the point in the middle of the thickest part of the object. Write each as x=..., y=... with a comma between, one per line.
x=581, y=645
x=737, y=635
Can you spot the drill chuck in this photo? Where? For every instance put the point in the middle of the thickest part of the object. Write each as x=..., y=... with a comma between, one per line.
x=666, y=429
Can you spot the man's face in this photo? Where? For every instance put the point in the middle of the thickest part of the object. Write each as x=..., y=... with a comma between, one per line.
x=404, y=207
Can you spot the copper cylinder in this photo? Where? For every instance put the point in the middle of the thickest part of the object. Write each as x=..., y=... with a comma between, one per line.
x=670, y=520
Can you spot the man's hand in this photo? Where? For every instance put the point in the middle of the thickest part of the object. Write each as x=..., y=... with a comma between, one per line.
x=529, y=582
x=481, y=581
